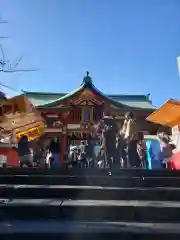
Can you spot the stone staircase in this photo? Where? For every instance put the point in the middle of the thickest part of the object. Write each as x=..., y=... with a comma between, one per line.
x=86, y=204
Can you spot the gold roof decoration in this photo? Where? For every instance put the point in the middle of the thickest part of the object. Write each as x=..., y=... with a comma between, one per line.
x=15, y=123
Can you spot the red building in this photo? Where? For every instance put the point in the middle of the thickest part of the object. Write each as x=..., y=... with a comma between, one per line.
x=71, y=116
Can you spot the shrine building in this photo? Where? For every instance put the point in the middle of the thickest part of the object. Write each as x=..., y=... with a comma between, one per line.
x=72, y=116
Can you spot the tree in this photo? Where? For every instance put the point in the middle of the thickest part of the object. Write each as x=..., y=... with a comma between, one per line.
x=7, y=66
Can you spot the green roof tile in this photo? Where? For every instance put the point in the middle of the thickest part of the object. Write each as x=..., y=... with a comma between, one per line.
x=139, y=104
x=40, y=99
x=135, y=101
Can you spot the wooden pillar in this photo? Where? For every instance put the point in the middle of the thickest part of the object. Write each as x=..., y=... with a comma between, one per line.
x=63, y=146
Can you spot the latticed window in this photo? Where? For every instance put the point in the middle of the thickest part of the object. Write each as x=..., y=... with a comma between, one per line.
x=97, y=113
x=76, y=114
x=87, y=114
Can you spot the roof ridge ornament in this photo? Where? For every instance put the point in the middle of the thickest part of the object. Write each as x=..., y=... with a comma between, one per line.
x=87, y=80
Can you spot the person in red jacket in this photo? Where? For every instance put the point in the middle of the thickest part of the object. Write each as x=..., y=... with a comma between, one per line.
x=174, y=163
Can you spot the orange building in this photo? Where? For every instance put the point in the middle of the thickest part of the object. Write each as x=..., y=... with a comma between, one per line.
x=18, y=117
x=72, y=116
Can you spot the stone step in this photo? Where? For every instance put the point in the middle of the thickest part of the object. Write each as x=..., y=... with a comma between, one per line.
x=87, y=230
x=88, y=192
x=115, y=181
x=51, y=226
x=90, y=210
x=132, y=204
x=91, y=172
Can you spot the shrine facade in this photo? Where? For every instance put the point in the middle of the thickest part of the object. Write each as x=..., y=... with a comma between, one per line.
x=74, y=115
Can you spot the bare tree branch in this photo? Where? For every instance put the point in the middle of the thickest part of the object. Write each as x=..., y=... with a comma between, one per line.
x=19, y=70
x=6, y=66
x=7, y=86
x=2, y=53
x=3, y=37
x=3, y=22
x=18, y=61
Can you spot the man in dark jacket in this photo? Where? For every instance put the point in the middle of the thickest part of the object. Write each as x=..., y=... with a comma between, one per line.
x=24, y=152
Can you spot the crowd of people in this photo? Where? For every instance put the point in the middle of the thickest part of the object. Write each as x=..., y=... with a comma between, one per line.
x=32, y=154
x=122, y=148
x=115, y=147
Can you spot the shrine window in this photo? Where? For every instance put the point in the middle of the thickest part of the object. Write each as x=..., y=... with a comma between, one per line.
x=87, y=114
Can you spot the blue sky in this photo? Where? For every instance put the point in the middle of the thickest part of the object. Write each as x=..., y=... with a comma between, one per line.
x=128, y=46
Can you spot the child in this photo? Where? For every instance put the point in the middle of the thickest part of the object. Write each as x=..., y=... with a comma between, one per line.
x=100, y=159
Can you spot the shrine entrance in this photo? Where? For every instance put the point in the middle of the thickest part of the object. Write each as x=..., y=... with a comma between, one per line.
x=75, y=139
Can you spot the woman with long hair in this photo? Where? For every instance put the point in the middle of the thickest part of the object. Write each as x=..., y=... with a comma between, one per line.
x=54, y=148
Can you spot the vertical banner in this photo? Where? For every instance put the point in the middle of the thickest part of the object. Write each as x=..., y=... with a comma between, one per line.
x=178, y=63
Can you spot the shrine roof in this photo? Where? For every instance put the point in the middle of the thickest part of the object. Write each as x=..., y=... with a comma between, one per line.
x=41, y=99
x=134, y=101
x=48, y=99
